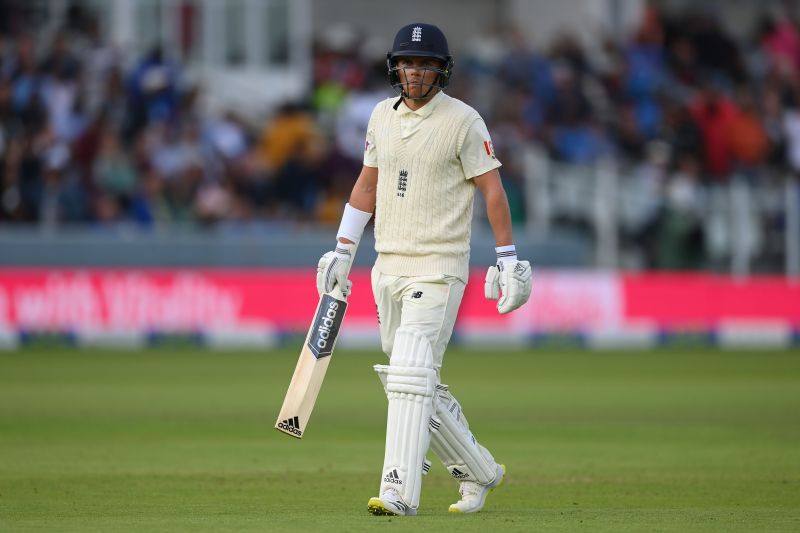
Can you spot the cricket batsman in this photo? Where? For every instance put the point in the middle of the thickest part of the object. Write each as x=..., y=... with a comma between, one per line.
x=425, y=155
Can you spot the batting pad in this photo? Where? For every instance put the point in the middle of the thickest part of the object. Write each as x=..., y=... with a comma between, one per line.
x=455, y=444
x=410, y=384
x=382, y=372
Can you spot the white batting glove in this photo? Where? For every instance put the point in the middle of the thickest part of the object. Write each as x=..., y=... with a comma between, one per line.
x=333, y=268
x=508, y=282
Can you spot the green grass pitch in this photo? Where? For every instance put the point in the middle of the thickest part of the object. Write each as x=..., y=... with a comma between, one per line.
x=182, y=440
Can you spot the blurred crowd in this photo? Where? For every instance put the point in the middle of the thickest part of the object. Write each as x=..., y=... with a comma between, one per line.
x=88, y=137
x=83, y=139
x=682, y=106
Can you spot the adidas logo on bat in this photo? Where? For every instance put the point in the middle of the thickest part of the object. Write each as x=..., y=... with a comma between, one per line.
x=393, y=477
x=326, y=326
x=458, y=474
x=292, y=425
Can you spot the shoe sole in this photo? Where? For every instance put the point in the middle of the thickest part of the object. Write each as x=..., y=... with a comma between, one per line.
x=378, y=508
x=456, y=510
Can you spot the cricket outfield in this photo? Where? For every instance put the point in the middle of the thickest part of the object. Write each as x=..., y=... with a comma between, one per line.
x=182, y=439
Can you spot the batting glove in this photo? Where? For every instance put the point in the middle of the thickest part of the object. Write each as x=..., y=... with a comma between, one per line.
x=508, y=282
x=333, y=268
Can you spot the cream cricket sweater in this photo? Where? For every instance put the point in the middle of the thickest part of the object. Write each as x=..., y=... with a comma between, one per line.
x=423, y=215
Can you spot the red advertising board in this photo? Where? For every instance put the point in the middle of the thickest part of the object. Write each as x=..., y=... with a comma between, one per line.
x=196, y=299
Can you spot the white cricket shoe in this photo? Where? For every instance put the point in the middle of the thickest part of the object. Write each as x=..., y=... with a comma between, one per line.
x=473, y=495
x=389, y=503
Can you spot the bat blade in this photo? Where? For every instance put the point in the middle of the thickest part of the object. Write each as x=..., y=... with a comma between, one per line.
x=311, y=366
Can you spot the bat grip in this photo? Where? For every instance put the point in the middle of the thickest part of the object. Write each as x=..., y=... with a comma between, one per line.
x=336, y=292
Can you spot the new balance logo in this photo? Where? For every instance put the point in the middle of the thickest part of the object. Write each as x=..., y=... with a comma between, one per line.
x=458, y=474
x=416, y=34
x=291, y=425
x=417, y=294
x=393, y=477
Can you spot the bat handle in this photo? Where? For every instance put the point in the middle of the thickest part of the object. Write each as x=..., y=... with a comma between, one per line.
x=336, y=292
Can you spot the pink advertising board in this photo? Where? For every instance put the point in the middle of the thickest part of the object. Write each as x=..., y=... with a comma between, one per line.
x=181, y=300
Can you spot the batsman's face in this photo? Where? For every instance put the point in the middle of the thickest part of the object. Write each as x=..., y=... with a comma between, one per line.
x=418, y=74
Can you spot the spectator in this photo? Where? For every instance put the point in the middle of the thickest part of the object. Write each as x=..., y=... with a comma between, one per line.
x=26, y=99
x=746, y=137
x=150, y=207
x=580, y=142
x=100, y=61
x=716, y=51
x=780, y=40
x=353, y=116
x=112, y=169
x=791, y=130
x=152, y=91
x=714, y=114
x=772, y=120
x=62, y=199
x=61, y=96
x=682, y=132
x=60, y=61
x=291, y=131
x=228, y=137
x=680, y=234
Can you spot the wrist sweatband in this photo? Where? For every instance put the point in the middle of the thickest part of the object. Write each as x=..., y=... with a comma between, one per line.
x=353, y=223
x=344, y=248
x=506, y=254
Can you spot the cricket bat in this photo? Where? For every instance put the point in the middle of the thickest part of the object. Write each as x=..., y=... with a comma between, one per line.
x=313, y=363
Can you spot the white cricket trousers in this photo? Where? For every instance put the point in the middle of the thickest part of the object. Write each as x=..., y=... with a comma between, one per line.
x=428, y=304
